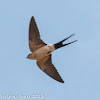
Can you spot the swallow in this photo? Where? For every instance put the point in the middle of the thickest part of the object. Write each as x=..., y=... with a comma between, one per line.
x=42, y=51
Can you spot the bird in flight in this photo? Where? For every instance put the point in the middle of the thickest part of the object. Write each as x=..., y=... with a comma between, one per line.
x=42, y=51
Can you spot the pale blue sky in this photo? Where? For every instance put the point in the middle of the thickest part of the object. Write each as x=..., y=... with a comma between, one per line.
x=78, y=64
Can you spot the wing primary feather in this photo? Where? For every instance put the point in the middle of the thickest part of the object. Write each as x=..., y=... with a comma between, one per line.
x=35, y=41
x=47, y=67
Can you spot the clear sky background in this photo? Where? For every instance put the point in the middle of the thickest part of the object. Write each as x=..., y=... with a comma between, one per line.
x=78, y=63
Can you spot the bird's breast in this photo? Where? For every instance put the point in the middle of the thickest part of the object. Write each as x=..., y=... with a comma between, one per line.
x=43, y=51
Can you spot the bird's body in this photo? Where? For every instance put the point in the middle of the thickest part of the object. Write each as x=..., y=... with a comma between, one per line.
x=42, y=52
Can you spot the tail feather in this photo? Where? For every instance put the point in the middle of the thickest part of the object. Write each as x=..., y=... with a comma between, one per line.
x=60, y=44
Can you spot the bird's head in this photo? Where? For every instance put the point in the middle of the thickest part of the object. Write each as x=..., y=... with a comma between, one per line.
x=30, y=56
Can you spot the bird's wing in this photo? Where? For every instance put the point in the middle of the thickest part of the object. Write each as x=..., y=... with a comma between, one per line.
x=34, y=37
x=46, y=66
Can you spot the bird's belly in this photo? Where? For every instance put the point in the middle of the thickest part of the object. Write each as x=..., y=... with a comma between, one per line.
x=43, y=52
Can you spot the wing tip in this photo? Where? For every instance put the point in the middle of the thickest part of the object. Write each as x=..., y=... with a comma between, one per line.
x=61, y=81
x=32, y=17
x=32, y=21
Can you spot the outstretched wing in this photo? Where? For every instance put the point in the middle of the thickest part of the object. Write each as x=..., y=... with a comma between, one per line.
x=46, y=66
x=34, y=37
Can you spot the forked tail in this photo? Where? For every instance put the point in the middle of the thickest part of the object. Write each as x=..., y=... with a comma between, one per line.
x=60, y=44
